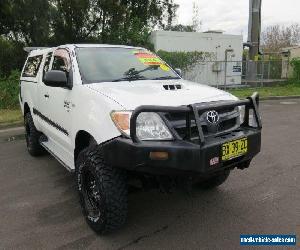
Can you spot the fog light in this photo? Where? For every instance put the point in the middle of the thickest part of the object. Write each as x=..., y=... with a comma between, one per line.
x=159, y=156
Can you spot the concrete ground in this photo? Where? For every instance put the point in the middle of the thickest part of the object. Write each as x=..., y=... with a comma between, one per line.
x=39, y=205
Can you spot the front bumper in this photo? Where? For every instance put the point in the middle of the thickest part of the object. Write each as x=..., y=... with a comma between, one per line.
x=185, y=156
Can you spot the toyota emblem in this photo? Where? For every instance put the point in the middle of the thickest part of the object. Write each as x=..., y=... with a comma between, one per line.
x=212, y=117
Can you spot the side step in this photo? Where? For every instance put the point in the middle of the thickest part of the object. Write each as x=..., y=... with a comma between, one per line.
x=47, y=145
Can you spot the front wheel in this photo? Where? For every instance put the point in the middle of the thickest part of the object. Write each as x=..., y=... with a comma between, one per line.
x=215, y=181
x=102, y=191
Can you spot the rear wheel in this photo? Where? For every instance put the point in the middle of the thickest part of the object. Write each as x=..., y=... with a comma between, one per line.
x=215, y=180
x=102, y=191
x=32, y=136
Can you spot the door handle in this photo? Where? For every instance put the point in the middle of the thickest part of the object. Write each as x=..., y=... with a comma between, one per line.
x=46, y=95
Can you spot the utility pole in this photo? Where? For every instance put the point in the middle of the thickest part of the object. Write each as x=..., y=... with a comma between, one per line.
x=254, y=27
x=254, y=30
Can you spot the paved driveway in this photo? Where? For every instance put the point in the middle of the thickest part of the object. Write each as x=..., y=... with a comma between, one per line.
x=39, y=205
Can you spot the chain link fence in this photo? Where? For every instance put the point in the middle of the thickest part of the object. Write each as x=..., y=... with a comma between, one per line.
x=265, y=70
x=235, y=73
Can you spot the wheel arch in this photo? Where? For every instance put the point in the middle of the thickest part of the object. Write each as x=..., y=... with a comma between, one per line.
x=83, y=140
x=26, y=108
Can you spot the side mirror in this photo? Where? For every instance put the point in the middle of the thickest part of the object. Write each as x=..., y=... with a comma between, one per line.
x=56, y=78
x=178, y=71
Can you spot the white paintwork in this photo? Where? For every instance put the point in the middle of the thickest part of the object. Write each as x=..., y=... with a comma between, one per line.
x=59, y=153
x=137, y=93
x=91, y=104
x=214, y=43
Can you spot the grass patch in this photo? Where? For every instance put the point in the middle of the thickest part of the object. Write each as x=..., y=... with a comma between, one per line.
x=282, y=90
x=10, y=117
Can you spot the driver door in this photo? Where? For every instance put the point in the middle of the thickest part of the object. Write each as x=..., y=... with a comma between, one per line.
x=57, y=108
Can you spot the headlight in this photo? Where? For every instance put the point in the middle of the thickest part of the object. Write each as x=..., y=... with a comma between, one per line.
x=149, y=125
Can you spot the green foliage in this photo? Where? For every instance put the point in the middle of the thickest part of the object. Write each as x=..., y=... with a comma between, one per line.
x=55, y=22
x=137, y=34
x=12, y=56
x=184, y=60
x=6, y=20
x=9, y=89
x=27, y=21
x=10, y=117
x=52, y=22
x=295, y=62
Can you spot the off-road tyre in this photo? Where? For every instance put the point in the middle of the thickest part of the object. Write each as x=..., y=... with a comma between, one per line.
x=215, y=180
x=32, y=136
x=102, y=191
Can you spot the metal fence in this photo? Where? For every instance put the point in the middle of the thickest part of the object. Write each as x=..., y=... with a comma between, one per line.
x=228, y=73
x=267, y=70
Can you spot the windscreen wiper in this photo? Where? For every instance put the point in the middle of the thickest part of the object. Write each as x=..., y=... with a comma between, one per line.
x=130, y=78
x=166, y=78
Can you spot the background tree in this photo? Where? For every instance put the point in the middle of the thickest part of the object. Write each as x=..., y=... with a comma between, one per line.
x=40, y=22
x=182, y=28
x=6, y=19
x=55, y=22
x=109, y=21
x=197, y=23
x=275, y=37
x=26, y=21
x=12, y=56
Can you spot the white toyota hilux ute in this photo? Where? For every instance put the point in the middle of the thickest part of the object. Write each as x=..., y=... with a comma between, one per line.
x=114, y=114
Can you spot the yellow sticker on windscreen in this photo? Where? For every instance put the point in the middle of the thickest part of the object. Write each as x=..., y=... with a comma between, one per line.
x=164, y=67
x=147, y=58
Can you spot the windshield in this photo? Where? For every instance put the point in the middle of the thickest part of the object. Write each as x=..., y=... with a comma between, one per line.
x=121, y=64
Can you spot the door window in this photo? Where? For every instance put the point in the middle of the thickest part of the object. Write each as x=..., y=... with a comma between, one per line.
x=61, y=60
x=32, y=66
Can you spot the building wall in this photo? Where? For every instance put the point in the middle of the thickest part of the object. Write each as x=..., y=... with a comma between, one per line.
x=287, y=69
x=295, y=52
x=212, y=71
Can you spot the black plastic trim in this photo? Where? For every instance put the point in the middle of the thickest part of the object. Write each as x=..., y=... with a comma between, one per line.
x=52, y=123
x=183, y=157
x=198, y=109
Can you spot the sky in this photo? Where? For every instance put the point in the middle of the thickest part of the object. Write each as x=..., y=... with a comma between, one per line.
x=232, y=16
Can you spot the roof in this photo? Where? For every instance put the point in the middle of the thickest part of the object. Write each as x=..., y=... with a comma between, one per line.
x=38, y=50
x=214, y=31
x=29, y=49
x=103, y=46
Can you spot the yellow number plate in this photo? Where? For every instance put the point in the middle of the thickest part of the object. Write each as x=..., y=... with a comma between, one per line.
x=234, y=149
